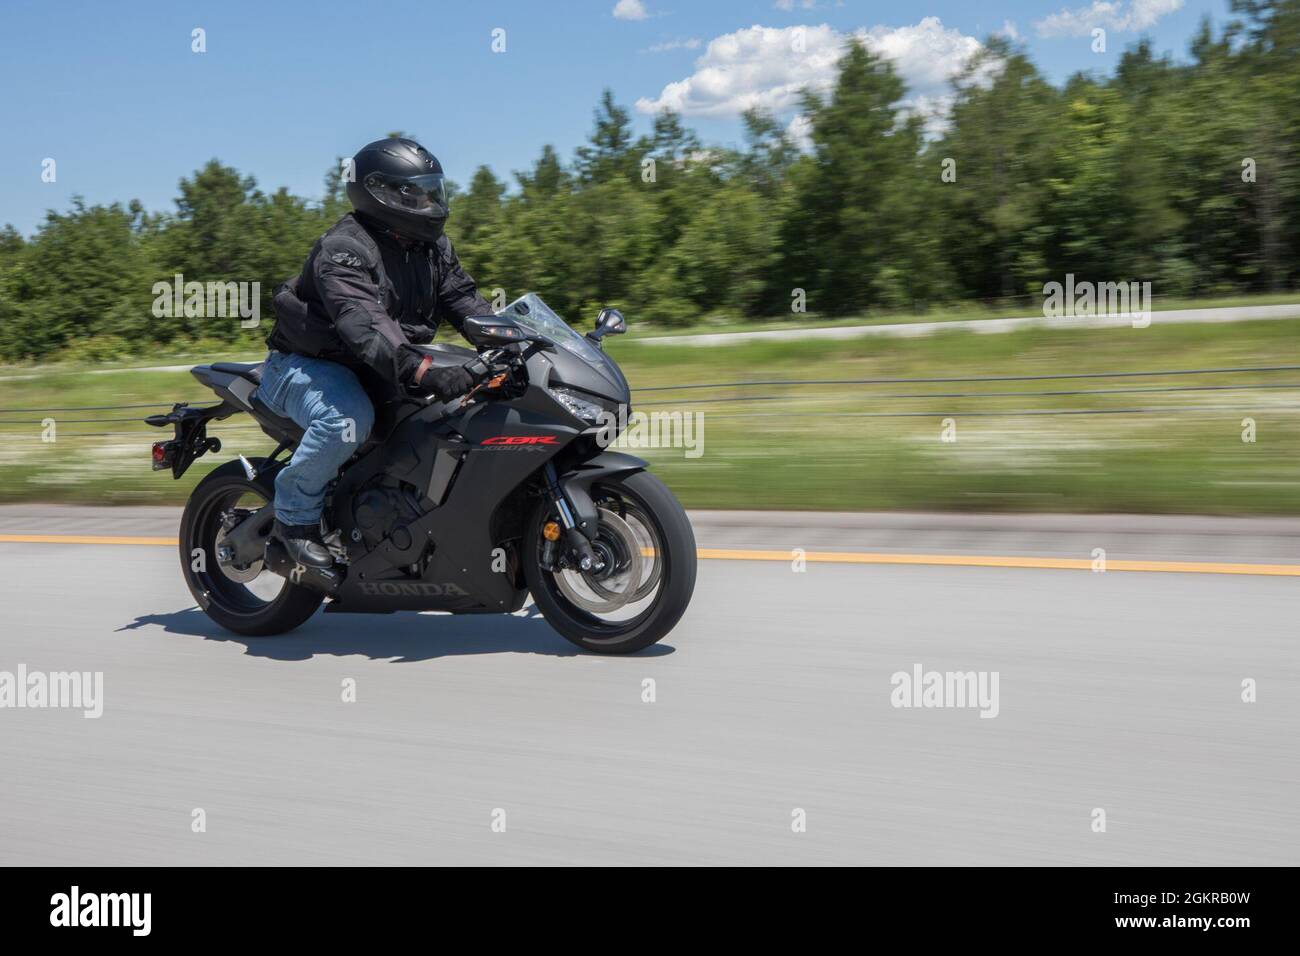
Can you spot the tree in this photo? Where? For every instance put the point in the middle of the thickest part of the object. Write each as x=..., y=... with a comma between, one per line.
x=1001, y=126
x=1135, y=176
x=83, y=275
x=863, y=150
x=608, y=153
x=547, y=177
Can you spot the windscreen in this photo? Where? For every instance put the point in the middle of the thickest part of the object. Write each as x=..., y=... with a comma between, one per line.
x=536, y=316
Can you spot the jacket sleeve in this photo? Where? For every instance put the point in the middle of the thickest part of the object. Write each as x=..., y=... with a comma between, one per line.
x=417, y=334
x=458, y=297
x=345, y=273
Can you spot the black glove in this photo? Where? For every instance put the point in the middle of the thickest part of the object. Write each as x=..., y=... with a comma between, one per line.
x=445, y=383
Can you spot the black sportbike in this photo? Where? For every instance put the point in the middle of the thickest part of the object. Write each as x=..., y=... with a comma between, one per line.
x=466, y=506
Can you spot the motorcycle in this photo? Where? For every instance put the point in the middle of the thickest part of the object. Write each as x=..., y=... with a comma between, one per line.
x=467, y=506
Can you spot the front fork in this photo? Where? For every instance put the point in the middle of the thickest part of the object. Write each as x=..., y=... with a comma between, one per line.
x=578, y=548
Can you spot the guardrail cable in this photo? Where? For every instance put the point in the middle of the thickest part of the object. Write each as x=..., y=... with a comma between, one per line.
x=968, y=378
x=1053, y=393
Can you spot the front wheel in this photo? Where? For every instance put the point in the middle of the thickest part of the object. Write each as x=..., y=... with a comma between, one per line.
x=647, y=549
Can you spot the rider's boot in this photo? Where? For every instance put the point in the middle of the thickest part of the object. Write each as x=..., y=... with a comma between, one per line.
x=303, y=544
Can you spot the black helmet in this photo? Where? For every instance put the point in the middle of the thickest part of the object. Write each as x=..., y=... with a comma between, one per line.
x=400, y=184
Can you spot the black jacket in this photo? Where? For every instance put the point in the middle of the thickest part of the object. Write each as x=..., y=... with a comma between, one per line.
x=364, y=298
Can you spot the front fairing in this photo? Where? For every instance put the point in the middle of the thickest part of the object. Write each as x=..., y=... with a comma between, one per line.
x=574, y=362
x=602, y=379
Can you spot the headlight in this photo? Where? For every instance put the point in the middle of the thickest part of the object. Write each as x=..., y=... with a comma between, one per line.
x=577, y=406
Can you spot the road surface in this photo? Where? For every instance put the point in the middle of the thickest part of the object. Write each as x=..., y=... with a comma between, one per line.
x=1118, y=691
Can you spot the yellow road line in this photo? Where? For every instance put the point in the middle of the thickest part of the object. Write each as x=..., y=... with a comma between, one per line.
x=82, y=539
x=1001, y=561
x=824, y=557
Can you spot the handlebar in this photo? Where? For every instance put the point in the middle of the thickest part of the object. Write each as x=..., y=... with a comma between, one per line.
x=498, y=365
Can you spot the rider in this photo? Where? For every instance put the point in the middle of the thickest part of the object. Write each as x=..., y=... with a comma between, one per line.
x=376, y=284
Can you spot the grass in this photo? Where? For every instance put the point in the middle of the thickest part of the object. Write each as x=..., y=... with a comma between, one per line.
x=950, y=313
x=814, y=447
x=252, y=349
x=819, y=447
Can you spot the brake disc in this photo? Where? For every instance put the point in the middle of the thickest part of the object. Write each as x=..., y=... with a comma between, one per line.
x=618, y=536
x=646, y=541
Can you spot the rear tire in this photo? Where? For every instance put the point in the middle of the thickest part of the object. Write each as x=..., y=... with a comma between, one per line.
x=677, y=573
x=219, y=597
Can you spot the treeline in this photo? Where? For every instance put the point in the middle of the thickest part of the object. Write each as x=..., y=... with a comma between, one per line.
x=1184, y=174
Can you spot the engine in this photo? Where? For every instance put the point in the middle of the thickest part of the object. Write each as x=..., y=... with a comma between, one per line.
x=383, y=507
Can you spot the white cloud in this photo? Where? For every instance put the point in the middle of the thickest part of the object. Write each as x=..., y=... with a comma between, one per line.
x=767, y=67
x=800, y=132
x=1009, y=30
x=754, y=67
x=630, y=10
x=690, y=43
x=926, y=55
x=1112, y=14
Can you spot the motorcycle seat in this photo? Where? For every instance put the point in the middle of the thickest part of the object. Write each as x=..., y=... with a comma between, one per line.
x=251, y=372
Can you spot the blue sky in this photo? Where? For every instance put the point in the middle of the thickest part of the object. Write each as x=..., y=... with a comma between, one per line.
x=114, y=94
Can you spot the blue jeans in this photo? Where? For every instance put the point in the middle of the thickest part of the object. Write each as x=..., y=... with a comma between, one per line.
x=327, y=401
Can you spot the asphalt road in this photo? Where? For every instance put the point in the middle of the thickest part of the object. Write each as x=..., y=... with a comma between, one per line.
x=1120, y=691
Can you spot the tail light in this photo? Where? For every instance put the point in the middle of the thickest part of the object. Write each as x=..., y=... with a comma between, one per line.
x=162, y=455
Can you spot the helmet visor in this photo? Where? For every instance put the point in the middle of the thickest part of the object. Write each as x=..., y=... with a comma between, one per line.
x=424, y=195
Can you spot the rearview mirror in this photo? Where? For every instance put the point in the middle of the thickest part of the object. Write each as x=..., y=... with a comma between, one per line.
x=609, y=322
x=494, y=330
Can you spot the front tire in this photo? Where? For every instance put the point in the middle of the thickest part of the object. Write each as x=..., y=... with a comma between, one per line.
x=673, y=560
x=225, y=596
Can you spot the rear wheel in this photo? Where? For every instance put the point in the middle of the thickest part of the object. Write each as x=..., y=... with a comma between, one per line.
x=250, y=599
x=647, y=547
